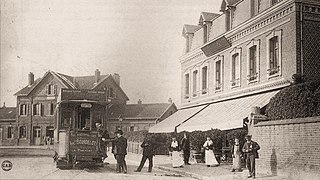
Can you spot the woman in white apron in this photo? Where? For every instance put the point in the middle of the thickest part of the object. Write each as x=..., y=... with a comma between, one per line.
x=209, y=155
x=175, y=150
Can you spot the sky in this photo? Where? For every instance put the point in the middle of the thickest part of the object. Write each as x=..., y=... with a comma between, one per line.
x=139, y=39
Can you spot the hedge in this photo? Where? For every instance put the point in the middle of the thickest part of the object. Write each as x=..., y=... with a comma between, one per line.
x=197, y=138
x=296, y=101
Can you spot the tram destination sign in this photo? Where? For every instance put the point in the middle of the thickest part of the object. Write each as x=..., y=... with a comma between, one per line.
x=83, y=143
x=82, y=94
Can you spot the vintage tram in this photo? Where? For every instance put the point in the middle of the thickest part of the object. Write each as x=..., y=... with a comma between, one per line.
x=77, y=140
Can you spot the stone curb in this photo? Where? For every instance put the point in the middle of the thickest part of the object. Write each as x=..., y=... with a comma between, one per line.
x=184, y=173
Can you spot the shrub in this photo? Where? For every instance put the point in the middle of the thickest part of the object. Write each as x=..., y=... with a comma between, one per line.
x=297, y=101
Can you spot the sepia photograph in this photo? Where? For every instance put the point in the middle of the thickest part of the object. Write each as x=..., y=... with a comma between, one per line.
x=160, y=89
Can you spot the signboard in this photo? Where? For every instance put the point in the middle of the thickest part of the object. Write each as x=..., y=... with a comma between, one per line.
x=82, y=94
x=86, y=105
x=83, y=143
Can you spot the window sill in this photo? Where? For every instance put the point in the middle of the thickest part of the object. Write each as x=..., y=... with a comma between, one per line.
x=274, y=75
x=23, y=115
x=235, y=86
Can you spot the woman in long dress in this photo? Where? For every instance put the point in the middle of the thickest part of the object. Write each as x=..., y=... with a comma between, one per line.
x=236, y=155
x=175, y=149
x=209, y=155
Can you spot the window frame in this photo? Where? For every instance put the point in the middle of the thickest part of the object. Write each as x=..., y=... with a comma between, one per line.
x=21, y=109
x=218, y=87
x=253, y=43
x=37, y=107
x=186, y=89
x=51, y=107
x=195, y=82
x=51, y=90
x=269, y=37
x=237, y=81
x=25, y=132
x=11, y=132
x=204, y=91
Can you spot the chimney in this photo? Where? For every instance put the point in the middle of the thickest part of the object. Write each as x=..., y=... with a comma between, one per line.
x=170, y=100
x=31, y=78
x=139, y=102
x=116, y=78
x=97, y=75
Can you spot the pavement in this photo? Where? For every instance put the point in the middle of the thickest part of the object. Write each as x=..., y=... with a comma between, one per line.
x=162, y=166
x=200, y=170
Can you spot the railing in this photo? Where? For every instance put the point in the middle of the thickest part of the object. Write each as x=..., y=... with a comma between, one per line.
x=252, y=77
x=235, y=82
x=273, y=70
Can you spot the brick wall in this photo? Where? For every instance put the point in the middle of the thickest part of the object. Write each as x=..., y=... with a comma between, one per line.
x=288, y=146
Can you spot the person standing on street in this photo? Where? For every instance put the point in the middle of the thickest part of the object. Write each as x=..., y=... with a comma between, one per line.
x=185, y=145
x=250, y=148
x=121, y=152
x=236, y=156
x=148, y=146
x=174, y=148
x=209, y=154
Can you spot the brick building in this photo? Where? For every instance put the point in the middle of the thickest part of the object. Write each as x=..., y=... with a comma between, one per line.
x=239, y=58
x=36, y=103
x=8, y=128
x=137, y=117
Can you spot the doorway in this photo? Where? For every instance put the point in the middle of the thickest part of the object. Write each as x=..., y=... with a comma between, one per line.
x=83, y=118
x=36, y=135
x=49, y=133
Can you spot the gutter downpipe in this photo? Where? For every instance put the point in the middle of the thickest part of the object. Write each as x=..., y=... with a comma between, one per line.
x=301, y=37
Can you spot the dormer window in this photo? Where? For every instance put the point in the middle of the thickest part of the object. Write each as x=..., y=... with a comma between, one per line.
x=273, y=2
x=255, y=7
x=205, y=33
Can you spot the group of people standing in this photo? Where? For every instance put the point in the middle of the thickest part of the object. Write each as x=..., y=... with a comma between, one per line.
x=119, y=149
x=175, y=148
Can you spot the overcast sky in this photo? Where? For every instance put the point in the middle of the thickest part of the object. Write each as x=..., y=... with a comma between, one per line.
x=139, y=39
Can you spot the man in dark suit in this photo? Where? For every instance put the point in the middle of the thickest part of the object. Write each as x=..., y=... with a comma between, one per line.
x=250, y=148
x=185, y=145
x=148, y=146
x=121, y=152
x=102, y=135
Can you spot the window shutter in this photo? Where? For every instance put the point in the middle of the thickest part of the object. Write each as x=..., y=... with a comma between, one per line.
x=32, y=109
x=54, y=89
x=47, y=89
x=27, y=109
x=40, y=109
x=19, y=109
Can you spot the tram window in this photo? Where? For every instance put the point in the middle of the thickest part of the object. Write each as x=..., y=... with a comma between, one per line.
x=66, y=118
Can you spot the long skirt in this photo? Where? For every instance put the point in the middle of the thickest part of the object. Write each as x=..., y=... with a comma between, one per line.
x=210, y=158
x=236, y=165
x=177, y=160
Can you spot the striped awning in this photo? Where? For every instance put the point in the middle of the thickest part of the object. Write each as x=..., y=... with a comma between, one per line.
x=227, y=114
x=169, y=124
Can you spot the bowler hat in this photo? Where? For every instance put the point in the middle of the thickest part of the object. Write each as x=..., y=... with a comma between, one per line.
x=119, y=131
x=248, y=135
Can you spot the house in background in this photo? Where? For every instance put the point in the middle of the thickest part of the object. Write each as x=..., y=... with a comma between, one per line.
x=8, y=130
x=137, y=117
x=36, y=103
x=236, y=60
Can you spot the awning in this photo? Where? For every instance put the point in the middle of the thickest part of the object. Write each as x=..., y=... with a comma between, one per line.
x=216, y=46
x=226, y=114
x=169, y=124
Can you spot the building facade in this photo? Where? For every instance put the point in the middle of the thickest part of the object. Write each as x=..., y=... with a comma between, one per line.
x=239, y=58
x=8, y=129
x=37, y=102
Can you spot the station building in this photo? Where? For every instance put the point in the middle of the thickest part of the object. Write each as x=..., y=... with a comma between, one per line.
x=236, y=60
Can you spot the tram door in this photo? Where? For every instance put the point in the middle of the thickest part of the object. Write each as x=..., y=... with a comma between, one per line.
x=84, y=118
x=36, y=135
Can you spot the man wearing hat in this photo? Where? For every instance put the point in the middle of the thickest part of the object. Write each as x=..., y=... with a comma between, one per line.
x=121, y=151
x=250, y=148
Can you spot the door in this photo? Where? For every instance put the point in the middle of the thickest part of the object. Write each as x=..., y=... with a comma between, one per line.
x=84, y=118
x=36, y=135
x=49, y=134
